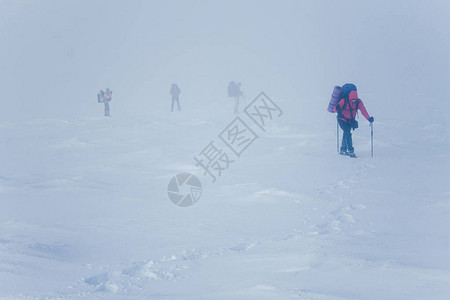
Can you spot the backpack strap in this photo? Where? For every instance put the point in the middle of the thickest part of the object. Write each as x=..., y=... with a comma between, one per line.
x=351, y=111
x=347, y=103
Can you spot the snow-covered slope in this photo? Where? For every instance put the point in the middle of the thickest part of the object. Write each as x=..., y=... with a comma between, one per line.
x=85, y=211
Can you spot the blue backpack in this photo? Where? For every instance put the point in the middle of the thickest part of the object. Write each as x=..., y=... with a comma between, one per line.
x=347, y=88
x=339, y=93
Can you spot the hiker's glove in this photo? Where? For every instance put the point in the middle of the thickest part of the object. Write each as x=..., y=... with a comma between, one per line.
x=338, y=109
x=371, y=119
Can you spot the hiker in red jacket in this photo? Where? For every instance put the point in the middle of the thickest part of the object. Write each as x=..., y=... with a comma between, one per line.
x=347, y=109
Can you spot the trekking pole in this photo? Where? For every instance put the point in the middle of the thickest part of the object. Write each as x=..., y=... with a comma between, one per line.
x=337, y=135
x=371, y=138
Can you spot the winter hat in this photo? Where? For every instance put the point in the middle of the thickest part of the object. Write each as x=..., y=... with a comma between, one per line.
x=353, y=95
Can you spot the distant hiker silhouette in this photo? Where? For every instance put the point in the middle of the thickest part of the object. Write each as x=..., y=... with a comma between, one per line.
x=234, y=91
x=347, y=108
x=175, y=92
x=107, y=97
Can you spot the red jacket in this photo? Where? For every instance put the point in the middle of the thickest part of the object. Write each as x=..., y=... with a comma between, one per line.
x=349, y=111
x=107, y=98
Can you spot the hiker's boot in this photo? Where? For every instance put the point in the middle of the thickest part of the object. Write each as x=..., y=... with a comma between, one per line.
x=351, y=153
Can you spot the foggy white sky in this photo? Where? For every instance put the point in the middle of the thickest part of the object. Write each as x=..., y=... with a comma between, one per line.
x=55, y=55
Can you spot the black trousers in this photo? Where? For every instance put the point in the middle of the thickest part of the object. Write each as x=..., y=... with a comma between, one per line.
x=347, y=143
